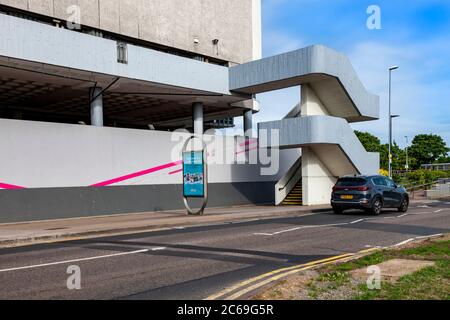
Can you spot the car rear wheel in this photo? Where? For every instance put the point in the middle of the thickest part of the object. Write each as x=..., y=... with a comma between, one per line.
x=404, y=206
x=377, y=206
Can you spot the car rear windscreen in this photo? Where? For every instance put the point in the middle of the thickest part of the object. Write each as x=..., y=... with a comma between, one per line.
x=351, y=182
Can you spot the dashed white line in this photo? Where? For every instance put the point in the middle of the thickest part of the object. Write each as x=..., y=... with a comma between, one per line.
x=346, y=223
x=159, y=249
x=299, y=228
x=75, y=260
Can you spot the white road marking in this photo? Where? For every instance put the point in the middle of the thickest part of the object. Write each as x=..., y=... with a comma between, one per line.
x=404, y=242
x=159, y=249
x=419, y=213
x=75, y=260
x=432, y=236
x=345, y=223
x=299, y=228
x=423, y=206
x=371, y=246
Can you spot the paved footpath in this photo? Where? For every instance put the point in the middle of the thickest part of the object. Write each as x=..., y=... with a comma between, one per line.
x=196, y=262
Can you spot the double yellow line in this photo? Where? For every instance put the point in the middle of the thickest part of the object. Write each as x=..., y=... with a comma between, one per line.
x=236, y=291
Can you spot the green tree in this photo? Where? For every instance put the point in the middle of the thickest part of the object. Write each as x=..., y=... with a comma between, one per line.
x=443, y=160
x=398, y=157
x=427, y=148
x=369, y=141
x=372, y=144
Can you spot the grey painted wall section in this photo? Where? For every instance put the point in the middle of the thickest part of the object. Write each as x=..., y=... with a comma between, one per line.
x=173, y=23
x=339, y=84
x=322, y=130
x=60, y=203
x=32, y=41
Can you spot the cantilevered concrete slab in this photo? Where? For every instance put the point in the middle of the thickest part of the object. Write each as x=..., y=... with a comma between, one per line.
x=329, y=73
x=50, y=46
x=321, y=133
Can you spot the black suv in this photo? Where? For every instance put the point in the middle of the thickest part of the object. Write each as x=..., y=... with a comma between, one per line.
x=370, y=193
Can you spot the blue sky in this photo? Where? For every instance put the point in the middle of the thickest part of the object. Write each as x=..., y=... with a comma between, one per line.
x=415, y=35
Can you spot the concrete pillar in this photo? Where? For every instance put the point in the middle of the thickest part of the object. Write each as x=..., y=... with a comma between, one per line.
x=310, y=104
x=197, y=118
x=248, y=124
x=96, y=107
x=317, y=181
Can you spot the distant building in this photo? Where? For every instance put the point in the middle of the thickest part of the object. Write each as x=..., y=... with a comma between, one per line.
x=437, y=166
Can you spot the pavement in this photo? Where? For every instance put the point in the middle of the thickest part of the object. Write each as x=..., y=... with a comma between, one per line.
x=200, y=261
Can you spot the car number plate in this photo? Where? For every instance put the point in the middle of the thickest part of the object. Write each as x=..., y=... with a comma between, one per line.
x=346, y=197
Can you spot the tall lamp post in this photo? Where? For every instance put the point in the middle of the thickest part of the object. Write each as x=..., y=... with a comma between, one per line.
x=407, y=158
x=390, y=118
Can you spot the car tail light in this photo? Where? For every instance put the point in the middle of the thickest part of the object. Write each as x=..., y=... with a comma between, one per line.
x=363, y=188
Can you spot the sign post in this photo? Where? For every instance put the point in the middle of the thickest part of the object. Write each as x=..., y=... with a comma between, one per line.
x=195, y=176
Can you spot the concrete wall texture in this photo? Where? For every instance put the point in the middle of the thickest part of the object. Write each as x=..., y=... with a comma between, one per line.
x=32, y=41
x=173, y=23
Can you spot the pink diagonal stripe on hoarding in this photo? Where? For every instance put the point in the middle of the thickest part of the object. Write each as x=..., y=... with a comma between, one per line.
x=176, y=171
x=9, y=186
x=247, y=150
x=137, y=174
x=249, y=142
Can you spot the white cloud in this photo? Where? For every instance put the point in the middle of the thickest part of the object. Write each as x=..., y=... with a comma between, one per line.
x=419, y=95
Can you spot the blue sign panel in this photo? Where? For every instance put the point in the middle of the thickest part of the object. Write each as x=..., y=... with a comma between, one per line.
x=193, y=174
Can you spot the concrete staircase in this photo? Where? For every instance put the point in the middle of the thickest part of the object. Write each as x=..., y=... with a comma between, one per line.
x=295, y=197
x=331, y=97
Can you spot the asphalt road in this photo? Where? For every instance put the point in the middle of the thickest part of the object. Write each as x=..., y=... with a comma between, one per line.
x=193, y=263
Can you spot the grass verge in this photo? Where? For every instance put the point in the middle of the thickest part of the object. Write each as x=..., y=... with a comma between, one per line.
x=334, y=282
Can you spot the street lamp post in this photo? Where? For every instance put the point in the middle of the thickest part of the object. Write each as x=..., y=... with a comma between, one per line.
x=390, y=118
x=407, y=158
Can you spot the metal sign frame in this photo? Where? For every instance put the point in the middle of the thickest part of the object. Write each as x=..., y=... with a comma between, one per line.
x=201, y=210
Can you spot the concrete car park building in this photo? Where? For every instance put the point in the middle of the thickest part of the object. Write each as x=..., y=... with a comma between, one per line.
x=88, y=111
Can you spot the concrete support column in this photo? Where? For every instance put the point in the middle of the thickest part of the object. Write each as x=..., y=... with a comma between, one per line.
x=317, y=181
x=197, y=117
x=96, y=107
x=248, y=124
x=310, y=104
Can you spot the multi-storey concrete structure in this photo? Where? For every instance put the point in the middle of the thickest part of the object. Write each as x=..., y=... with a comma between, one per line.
x=89, y=107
